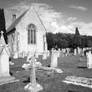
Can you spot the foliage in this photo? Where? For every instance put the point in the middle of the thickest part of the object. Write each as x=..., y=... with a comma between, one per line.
x=63, y=40
x=76, y=39
x=2, y=24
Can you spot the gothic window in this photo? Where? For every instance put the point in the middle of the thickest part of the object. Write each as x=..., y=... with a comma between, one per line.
x=31, y=34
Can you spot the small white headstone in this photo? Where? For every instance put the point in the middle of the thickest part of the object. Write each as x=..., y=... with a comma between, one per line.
x=75, y=51
x=54, y=59
x=44, y=55
x=79, y=50
x=4, y=63
x=89, y=60
x=15, y=55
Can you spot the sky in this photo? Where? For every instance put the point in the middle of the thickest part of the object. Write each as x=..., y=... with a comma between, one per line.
x=59, y=15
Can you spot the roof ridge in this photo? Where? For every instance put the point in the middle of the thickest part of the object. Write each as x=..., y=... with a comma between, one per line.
x=16, y=21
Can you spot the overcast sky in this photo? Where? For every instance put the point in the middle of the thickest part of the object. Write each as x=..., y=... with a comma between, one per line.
x=70, y=13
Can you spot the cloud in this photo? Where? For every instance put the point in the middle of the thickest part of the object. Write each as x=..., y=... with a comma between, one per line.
x=72, y=19
x=47, y=14
x=53, y=21
x=84, y=28
x=82, y=8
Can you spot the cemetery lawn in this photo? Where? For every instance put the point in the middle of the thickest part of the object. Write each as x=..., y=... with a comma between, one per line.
x=71, y=66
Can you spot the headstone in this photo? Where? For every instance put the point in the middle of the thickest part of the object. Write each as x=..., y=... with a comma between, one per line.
x=33, y=86
x=37, y=55
x=75, y=51
x=54, y=59
x=44, y=56
x=4, y=62
x=48, y=53
x=89, y=60
x=79, y=50
x=15, y=55
x=68, y=51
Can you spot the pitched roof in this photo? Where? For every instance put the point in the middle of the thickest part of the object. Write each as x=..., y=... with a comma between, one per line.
x=3, y=45
x=12, y=26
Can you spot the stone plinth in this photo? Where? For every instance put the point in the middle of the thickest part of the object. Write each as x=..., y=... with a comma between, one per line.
x=33, y=88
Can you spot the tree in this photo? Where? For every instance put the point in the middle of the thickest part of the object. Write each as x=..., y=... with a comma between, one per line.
x=62, y=40
x=2, y=24
x=76, y=39
x=50, y=40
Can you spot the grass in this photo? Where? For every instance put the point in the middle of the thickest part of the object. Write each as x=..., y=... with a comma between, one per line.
x=71, y=65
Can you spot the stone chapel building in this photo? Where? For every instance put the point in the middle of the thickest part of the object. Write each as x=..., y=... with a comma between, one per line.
x=27, y=34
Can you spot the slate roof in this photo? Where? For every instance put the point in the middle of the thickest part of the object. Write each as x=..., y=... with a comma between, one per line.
x=13, y=25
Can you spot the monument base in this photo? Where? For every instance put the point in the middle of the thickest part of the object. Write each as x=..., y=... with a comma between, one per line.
x=33, y=88
x=58, y=70
x=7, y=79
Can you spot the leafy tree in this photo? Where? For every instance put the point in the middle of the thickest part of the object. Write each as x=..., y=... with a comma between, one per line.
x=76, y=39
x=2, y=24
x=62, y=40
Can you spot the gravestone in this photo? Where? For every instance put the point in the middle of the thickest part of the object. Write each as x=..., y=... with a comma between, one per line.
x=44, y=56
x=33, y=86
x=4, y=62
x=48, y=53
x=68, y=51
x=37, y=55
x=89, y=60
x=54, y=61
x=75, y=51
x=15, y=55
x=79, y=50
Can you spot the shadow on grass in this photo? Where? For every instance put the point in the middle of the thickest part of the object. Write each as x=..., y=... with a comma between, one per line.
x=82, y=67
x=72, y=91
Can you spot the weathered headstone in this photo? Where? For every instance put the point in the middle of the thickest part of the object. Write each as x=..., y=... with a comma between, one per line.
x=44, y=56
x=4, y=62
x=54, y=61
x=75, y=51
x=89, y=60
x=15, y=55
x=37, y=55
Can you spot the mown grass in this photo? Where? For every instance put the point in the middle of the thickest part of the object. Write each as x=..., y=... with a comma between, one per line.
x=71, y=65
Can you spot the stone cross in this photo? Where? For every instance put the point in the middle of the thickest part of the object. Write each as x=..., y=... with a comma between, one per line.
x=33, y=86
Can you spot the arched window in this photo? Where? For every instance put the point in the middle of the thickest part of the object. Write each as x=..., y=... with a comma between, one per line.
x=31, y=34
